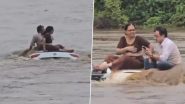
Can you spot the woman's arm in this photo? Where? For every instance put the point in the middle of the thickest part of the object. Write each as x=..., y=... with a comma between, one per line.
x=134, y=54
x=126, y=49
x=121, y=51
x=140, y=53
x=44, y=44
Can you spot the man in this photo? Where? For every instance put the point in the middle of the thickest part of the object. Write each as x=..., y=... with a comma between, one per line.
x=37, y=39
x=168, y=53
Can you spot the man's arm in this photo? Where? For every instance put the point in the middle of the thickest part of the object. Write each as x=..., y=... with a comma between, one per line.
x=32, y=44
x=166, y=52
x=162, y=57
x=154, y=56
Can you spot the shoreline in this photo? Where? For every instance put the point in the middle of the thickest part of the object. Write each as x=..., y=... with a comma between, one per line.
x=142, y=29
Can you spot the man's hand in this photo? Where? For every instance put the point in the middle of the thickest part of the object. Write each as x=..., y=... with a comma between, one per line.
x=148, y=52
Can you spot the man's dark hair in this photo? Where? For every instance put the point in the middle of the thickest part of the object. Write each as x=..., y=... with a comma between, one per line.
x=49, y=29
x=126, y=26
x=162, y=31
x=39, y=28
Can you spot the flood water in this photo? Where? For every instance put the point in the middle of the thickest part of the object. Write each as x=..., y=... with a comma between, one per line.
x=105, y=43
x=51, y=81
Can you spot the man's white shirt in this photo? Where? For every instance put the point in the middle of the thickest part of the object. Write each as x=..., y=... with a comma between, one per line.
x=169, y=52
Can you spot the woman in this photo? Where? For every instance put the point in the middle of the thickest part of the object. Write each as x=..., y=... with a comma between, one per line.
x=130, y=50
x=48, y=39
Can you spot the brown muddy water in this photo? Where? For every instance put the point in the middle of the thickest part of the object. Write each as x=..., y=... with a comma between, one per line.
x=51, y=81
x=105, y=43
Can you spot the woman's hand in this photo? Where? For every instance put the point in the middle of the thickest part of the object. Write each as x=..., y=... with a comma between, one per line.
x=126, y=49
x=44, y=45
x=131, y=49
x=129, y=54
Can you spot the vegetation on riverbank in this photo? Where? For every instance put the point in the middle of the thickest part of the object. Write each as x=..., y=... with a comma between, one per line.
x=145, y=13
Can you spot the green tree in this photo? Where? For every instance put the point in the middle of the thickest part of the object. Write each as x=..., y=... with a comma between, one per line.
x=179, y=17
x=109, y=15
x=112, y=13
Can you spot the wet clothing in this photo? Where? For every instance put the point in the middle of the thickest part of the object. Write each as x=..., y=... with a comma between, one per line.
x=49, y=46
x=38, y=40
x=138, y=43
x=128, y=62
x=169, y=56
x=153, y=64
x=48, y=39
x=169, y=52
x=124, y=62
